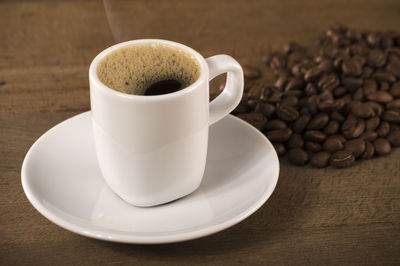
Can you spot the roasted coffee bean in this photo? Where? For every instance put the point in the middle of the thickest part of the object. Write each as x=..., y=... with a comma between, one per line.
x=346, y=99
x=394, y=137
x=374, y=39
x=352, y=67
x=352, y=84
x=383, y=129
x=295, y=141
x=356, y=146
x=298, y=156
x=326, y=95
x=325, y=65
x=381, y=75
x=293, y=47
x=279, y=148
x=351, y=106
x=353, y=127
x=395, y=126
x=339, y=41
x=296, y=58
x=380, y=97
x=378, y=108
x=370, y=86
x=313, y=102
x=287, y=113
x=252, y=102
x=302, y=104
x=290, y=100
x=279, y=135
x=332, y=144
x=395, y=90
x=369, y=150
x=221, y=87
x=331, y=105
x=241, y=108
x=312, y=146
x=266, y=59
x=394, y=104
x=340, y=137
x=314, y=135
x=358, y=95
x=310, y=89
x=296, y=93
x=281, y=82
x=360, y=47
x=384, y=86
x=392, y=116
x=361, y=59
x=337, y=62
x=312, y=74
x=394, y=50
x=376, y=58
x=354, y=35
x=299, y=69
x=278, y=61
x=369, y=135
x=258, y=89
x=328, y=82
x=339, y=91
x=320, y=159
x=342, y=158
x=318, y=122
x=387, y=42
x=332, y=127
x=250, y=72
x=372, y=124
x=294, y=84
x=266, y=109
x=274, y=97
x=337, y=117
x=382, y=146
x=301, y=122
x=248, y=84
x=367, y=72
x=363, y=110
x=275, y=124
x=394, y=67
x=256, y=119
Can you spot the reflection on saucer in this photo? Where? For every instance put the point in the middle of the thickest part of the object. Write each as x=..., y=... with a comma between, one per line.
x=188, y=212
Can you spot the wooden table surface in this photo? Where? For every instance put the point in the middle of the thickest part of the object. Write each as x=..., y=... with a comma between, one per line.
x=327, y=216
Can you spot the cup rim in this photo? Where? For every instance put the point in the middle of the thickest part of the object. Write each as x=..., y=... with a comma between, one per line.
x=98, y=84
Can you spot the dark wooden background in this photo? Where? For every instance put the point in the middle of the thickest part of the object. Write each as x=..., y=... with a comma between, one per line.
x=326, y=216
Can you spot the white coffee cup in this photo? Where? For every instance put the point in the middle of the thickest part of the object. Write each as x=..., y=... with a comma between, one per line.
x=153, y=149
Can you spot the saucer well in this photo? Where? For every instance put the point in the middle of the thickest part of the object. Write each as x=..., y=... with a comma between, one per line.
x=62, y=180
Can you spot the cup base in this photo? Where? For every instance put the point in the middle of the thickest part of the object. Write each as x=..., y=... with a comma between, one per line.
x=155, y=203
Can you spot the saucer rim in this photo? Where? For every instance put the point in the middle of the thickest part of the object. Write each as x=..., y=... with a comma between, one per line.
x=146, y=239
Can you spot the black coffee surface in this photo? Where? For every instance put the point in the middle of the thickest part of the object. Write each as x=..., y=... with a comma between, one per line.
x=135, y=68
x=163, y=87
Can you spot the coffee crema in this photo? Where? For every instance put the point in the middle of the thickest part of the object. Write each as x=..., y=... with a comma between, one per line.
x=158, y=67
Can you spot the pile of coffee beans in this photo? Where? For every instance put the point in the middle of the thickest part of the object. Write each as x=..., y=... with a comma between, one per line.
x=337, y=106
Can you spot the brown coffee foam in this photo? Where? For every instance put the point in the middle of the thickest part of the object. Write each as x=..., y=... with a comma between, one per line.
x=132, y=69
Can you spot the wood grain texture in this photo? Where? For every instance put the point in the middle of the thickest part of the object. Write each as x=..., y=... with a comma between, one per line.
x=328, y=216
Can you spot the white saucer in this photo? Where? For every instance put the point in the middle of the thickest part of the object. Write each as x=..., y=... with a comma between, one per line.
x=62, y=180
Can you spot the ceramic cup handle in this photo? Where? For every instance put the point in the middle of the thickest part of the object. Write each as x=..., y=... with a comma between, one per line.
x=233, y=91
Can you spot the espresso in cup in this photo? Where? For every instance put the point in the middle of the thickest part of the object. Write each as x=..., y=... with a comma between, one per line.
x=148, y=69
x=152, y=149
